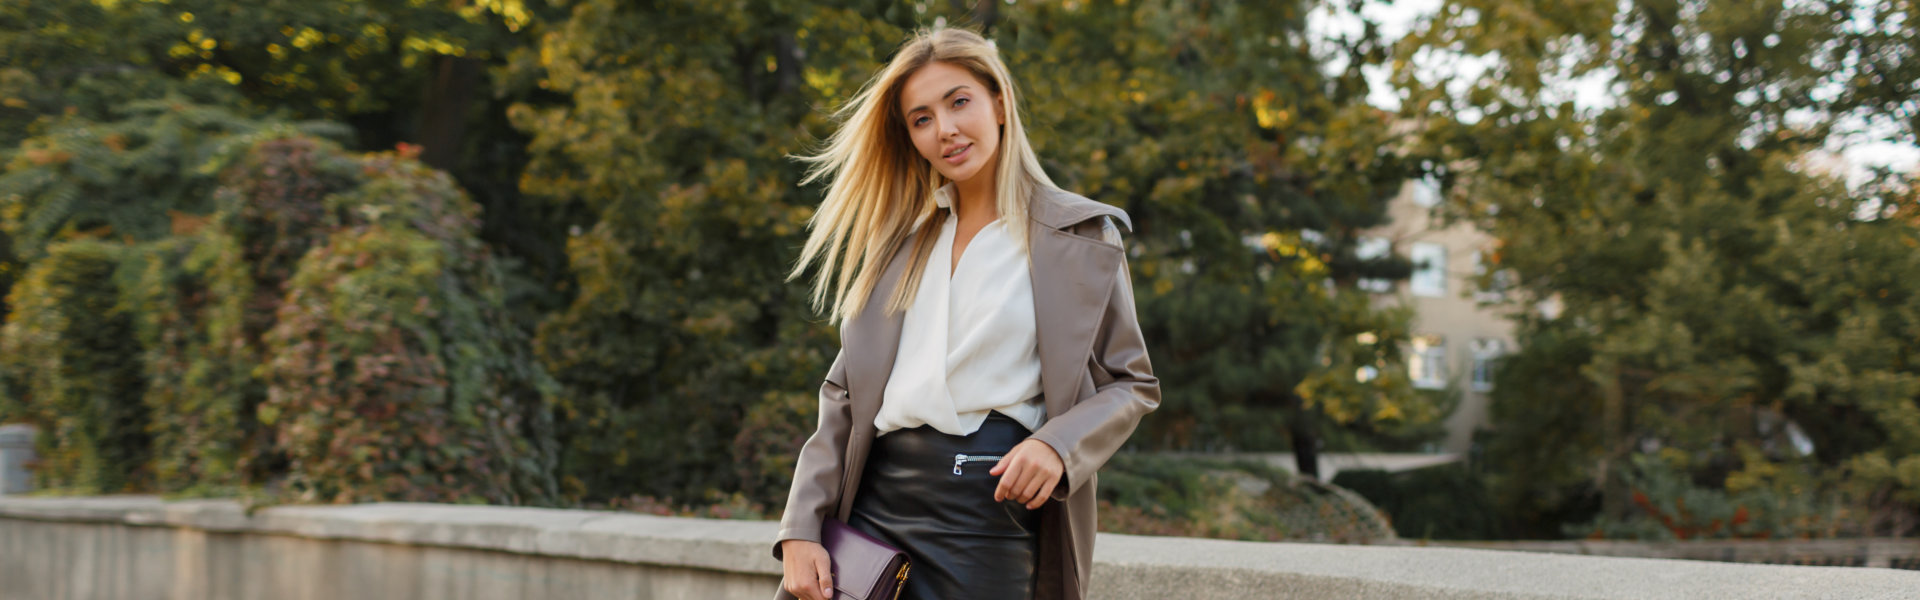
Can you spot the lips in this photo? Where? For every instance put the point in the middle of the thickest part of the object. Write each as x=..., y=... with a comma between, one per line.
x=958, y=155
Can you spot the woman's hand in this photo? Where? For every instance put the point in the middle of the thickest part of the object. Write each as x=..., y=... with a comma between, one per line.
x=1028, y=473
x=809, y=573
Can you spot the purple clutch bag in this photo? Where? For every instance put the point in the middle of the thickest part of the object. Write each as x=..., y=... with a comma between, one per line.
x=864, y=568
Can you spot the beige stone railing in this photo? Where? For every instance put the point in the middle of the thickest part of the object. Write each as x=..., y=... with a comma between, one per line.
x=134, y=547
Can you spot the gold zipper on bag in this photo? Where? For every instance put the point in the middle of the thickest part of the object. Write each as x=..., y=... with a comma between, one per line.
x=900, y=581
x=961, y=459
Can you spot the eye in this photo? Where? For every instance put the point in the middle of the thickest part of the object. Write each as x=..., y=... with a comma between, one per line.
x=917, y=121
x=957, y=101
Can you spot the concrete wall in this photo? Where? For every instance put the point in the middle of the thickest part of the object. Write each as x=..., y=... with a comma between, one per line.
x=1894, y=553
x=112, y=548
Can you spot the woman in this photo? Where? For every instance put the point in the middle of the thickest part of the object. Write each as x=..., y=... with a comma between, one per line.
x=990, y=357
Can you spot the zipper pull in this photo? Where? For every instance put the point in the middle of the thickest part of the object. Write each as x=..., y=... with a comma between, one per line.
x=958, y=459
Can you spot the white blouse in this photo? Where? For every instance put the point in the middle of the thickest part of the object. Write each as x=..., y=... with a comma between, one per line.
x=967, y=343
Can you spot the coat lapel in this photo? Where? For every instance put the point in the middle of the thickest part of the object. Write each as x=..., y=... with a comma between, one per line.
x=872, y=338
x=1072, y=278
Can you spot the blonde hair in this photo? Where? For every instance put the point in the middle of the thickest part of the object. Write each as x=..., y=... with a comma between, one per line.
x=882, y=189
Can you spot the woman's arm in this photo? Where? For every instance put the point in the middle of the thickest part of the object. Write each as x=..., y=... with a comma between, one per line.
x=817, y=474
x=1124, y=389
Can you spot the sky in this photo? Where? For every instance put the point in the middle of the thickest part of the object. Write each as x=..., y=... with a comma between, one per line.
x=1852, y=156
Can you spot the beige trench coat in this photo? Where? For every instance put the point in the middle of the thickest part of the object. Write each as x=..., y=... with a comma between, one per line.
x=1094, y=375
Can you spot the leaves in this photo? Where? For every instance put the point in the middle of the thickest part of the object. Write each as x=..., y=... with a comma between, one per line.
x=393, y=370
x=1715, y=291
x=72, y=373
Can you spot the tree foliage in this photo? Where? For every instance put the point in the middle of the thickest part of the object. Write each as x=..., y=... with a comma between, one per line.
x=1249, y=174
x=1734, y=317
x=391, y=71
x=675, y=144
x=362, y=60
x=75, y=376
x=124, y=176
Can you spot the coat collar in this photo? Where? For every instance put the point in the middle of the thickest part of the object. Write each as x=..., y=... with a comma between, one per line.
x=1072, y=275
x=1051, y=206
x=1060, y=209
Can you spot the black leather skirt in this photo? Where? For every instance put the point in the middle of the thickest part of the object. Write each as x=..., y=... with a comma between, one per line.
x=929, y=494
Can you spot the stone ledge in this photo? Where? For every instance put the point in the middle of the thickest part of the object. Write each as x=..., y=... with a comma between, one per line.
x=1125, y=566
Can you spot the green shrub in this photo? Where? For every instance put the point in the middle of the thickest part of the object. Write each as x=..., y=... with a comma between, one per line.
x=283, y=309
x=66, y=346
x=204, y=297
x=1765, y=499
x=393, y=370
x=1246, y=500
x=1447, y=502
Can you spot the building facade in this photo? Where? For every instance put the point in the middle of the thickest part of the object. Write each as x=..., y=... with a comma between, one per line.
x=1458, y=331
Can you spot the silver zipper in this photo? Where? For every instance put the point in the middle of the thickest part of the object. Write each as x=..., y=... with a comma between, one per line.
x=961, y=459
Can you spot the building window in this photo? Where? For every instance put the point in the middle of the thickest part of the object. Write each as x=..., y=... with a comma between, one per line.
x=1485, y=351
x=1429, y=269
x=1495, y=289
x=1428, y=365
x=1373, y=248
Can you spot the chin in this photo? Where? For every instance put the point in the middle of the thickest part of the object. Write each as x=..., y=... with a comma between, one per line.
x=961, y=176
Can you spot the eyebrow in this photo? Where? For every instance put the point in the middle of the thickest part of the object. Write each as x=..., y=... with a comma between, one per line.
x=942, y=97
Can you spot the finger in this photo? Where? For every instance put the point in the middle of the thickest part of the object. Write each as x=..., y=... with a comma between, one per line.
x=1017, y=483
x=1005, y=488
x=1046, y=493
x=1039, y=496
x=1006, y=461
x=824, y=566
x=1030, y=489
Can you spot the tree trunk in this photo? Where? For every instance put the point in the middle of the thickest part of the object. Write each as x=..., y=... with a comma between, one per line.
x=443, y=110
x=1306, y=440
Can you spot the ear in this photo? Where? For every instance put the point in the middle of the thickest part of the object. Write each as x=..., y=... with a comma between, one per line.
x=999, y=110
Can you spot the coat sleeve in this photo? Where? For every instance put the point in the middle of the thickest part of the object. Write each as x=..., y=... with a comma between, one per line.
x=817, y=474
x=1124, y=389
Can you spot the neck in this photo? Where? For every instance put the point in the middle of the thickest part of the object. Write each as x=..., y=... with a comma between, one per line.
x=975, y=199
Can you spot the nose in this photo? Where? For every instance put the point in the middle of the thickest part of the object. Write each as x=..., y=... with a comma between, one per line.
x=947, y=129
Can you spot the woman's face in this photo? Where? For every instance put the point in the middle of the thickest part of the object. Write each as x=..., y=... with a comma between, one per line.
x=953, y=118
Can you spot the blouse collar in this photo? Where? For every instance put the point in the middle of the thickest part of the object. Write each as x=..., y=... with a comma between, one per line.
x=943, y=197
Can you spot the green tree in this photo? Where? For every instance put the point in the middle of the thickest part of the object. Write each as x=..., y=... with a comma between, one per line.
x=127, y=176
x=365, y=62
x=1249, y=174
x=392, y=70
x=1720, y=295
x=674, y=147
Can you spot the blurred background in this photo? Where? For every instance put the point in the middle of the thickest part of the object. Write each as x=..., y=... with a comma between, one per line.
x=1447, y=269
